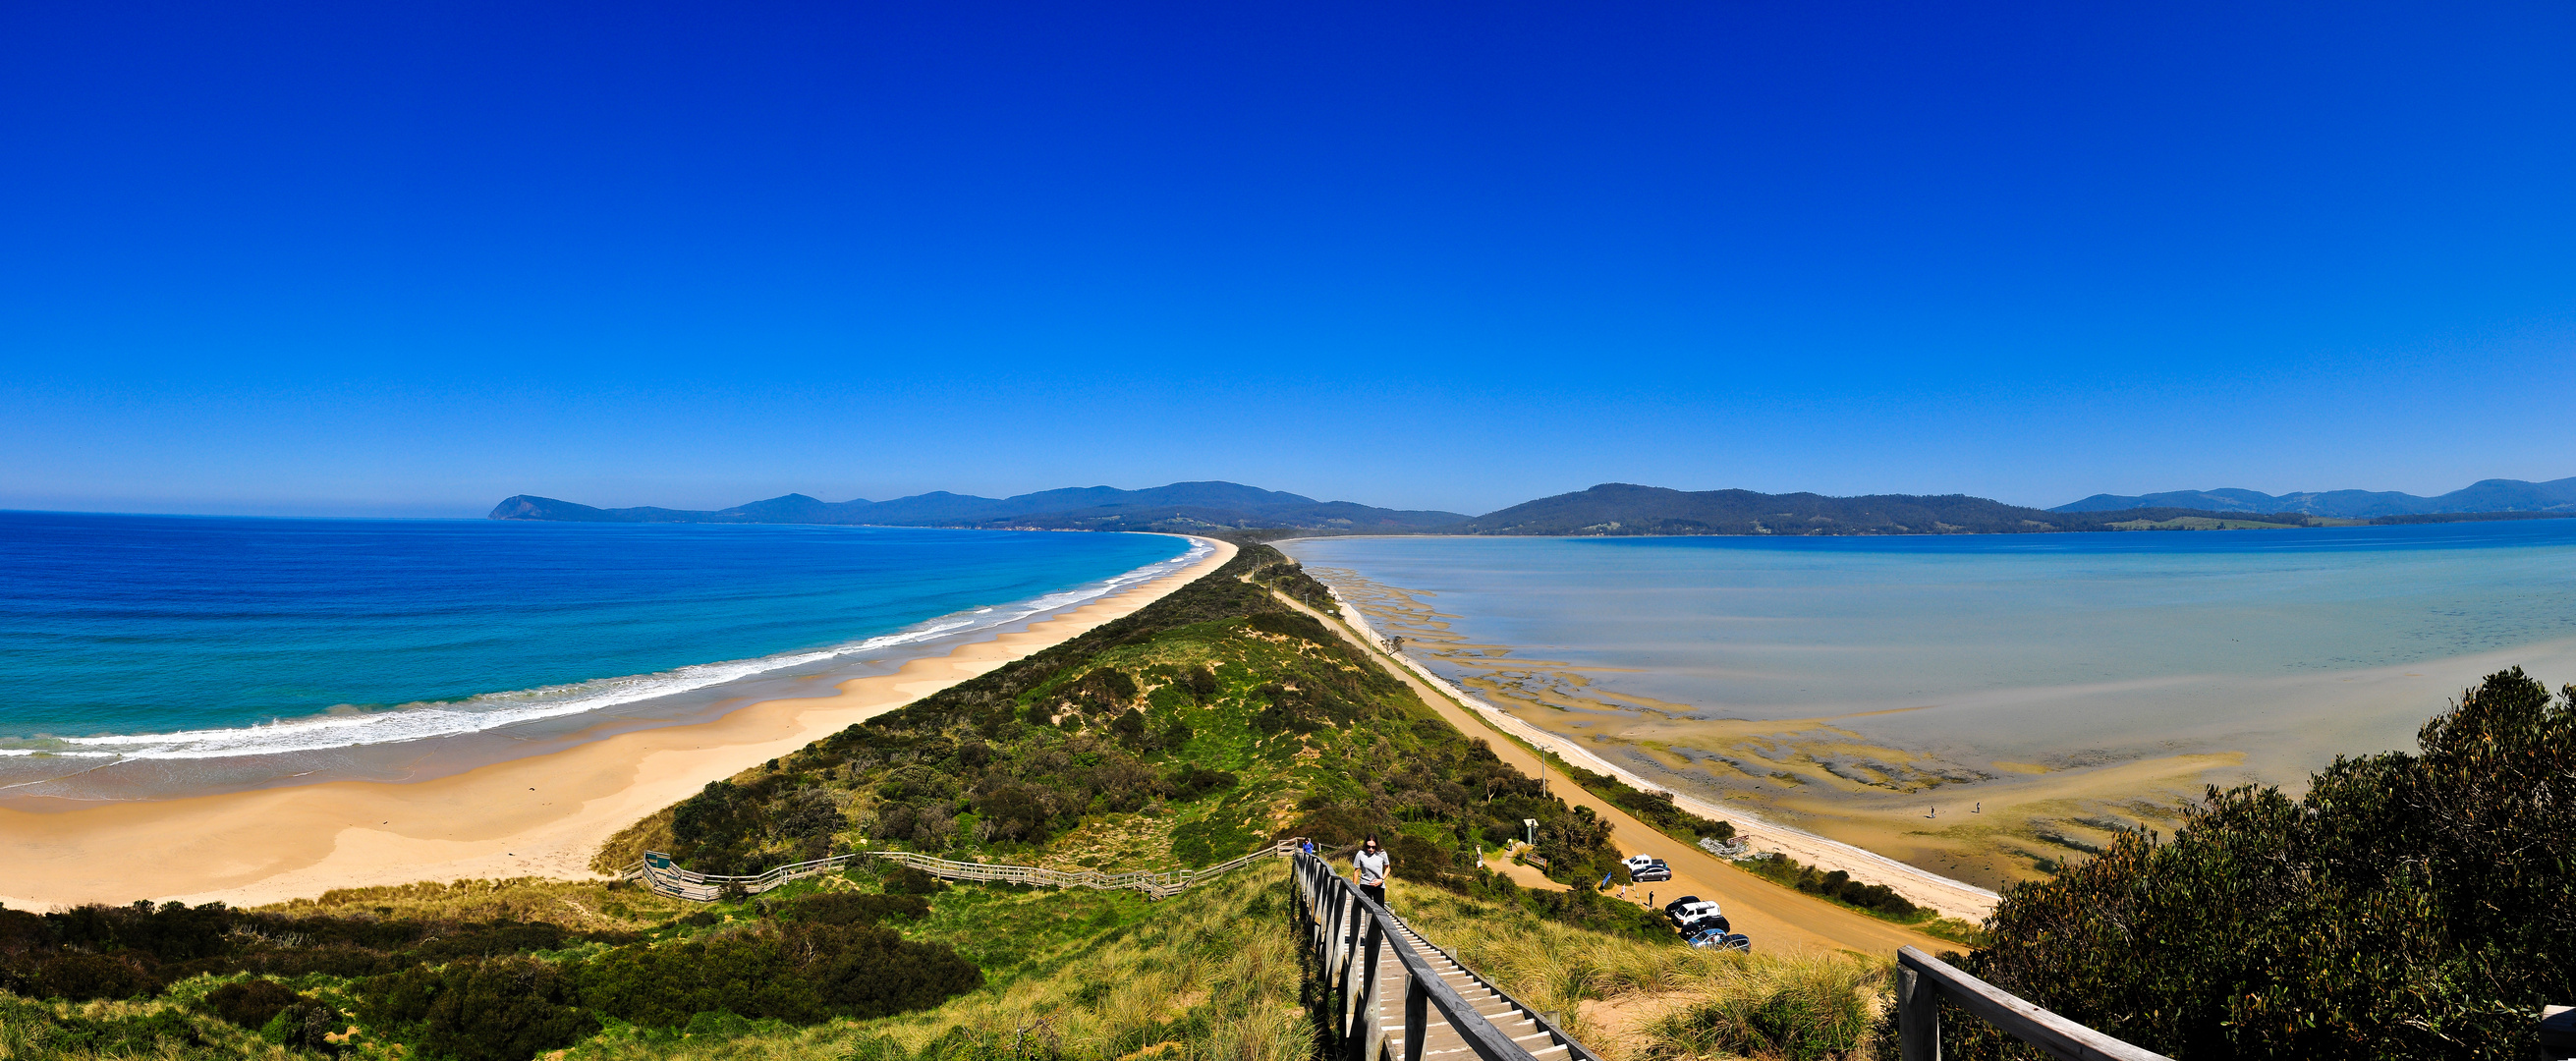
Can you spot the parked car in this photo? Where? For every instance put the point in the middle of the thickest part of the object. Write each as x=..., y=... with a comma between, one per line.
x=1686, y=913
x=1646, y=870
x=1721, y=939
x=1703, y=923
x=1673, y=909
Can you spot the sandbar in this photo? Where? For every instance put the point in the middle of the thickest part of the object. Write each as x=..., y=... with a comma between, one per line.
x=543, y=815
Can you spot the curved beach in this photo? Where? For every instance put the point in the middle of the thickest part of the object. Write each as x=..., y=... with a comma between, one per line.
x=542, y=815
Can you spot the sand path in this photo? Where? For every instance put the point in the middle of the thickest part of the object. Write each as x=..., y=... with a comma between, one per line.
x=538, y=816
x=1779, y=919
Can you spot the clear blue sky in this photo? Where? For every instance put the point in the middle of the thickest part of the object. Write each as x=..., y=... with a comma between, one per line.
x=410, y=258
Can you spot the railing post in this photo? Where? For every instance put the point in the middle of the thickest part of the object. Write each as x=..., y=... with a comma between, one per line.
x=1365, y=1006
x=1417, y=996
x=1918, y=1016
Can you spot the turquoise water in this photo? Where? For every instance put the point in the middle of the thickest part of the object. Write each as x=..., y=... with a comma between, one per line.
x=2288, y=645
x=134, y=638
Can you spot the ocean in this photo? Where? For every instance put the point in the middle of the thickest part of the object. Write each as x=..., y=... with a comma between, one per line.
x=265, y=648
x=1863, y=687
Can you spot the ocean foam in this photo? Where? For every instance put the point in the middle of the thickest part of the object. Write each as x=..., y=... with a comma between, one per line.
x=412, y=722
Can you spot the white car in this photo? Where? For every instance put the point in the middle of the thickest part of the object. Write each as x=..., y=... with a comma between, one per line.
x=1646, y=868
x=1684, y=913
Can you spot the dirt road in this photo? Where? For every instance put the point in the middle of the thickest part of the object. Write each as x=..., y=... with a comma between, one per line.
x=1779, y=919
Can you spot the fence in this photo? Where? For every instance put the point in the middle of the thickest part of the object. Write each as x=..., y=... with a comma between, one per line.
x=1922, y=981
x=1352, y=937
x=657, y=872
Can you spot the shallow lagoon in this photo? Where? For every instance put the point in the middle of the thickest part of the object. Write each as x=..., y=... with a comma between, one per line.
x=2073, y=681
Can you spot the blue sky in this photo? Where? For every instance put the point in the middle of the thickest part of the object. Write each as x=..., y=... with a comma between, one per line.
x=408, y=259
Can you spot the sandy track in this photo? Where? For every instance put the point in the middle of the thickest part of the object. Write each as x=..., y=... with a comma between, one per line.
x=1778, y=919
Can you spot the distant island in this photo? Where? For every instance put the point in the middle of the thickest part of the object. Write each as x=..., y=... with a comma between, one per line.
x=1607, y=510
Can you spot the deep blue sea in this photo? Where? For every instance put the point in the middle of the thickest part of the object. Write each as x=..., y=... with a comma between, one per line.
x=172, y=638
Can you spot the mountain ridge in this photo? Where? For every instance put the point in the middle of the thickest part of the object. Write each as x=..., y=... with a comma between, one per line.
x=1186, y=506
x=1608, y=509
x=2485, y=495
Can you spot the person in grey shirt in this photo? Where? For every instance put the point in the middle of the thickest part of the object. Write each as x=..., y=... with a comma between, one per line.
x=1369, y=865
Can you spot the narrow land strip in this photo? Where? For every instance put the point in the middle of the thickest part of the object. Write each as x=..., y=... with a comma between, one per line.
x=1777, y=918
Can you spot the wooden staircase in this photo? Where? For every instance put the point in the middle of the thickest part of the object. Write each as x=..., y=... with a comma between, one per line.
x=1368, y=960
x=1514, y=1020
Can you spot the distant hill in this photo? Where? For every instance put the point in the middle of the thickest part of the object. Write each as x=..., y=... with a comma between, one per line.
x=2488, y=495
x=1628, y=509
x=1182, y=507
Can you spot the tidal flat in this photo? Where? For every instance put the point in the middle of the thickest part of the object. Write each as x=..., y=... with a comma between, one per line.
x=1981, y=706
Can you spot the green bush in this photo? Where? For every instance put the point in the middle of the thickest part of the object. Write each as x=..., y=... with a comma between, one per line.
x=800, y=973
x=2409, y=905
x=80, y=977
x=251, y=1003
x=856, y=908
x=504, y=1009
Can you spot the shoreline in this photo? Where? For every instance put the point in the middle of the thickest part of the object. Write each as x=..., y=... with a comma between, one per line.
x=453, y=737
x=541, y=815
x=1953, y=898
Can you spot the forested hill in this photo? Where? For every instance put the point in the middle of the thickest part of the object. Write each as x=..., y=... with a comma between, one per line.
x=2483, y=496
x=1627, y=509
x=1180, y=507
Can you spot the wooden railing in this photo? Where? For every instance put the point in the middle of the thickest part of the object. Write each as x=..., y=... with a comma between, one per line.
x=657, y=872
x=1923, y=981
x=1352, y=936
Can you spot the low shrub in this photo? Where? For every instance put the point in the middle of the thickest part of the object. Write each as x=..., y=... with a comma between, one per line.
x=857, y=908
x=503, y=1009
x=251, y=1003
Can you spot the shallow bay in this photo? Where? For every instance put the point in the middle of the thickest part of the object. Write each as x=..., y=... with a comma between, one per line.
x=1979, y=705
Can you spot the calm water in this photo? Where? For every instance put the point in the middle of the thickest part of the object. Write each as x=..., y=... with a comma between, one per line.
x=2015, y=645
x=172, y=638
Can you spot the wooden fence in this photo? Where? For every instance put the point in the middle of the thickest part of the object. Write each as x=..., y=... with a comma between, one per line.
x=657, y=872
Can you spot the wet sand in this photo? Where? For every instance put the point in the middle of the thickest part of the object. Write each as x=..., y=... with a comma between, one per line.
x=1921, y=785
x=538, y=816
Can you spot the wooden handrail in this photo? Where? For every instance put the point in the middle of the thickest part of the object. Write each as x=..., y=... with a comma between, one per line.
x=663, y=876
x=1922, y=981
x=1350, y=931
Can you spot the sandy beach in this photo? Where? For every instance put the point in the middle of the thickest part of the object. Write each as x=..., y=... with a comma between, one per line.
x=543, y=815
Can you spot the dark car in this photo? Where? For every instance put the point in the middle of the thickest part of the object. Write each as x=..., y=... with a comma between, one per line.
x=1652, y=872
x=1721, y=939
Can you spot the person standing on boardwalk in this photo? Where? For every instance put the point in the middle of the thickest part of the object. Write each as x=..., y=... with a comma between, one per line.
x=1370, y=866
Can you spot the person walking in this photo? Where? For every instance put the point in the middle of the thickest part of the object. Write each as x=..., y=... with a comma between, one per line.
x=1370, y=867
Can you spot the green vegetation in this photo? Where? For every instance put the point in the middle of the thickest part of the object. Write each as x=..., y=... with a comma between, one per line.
x=2409, y=905
x=1655, y=808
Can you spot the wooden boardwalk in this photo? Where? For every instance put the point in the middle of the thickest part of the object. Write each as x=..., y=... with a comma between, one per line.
x=1369, y=958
